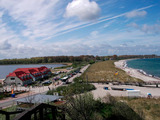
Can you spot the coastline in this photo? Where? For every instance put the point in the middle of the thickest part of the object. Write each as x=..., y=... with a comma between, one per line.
x=140, y=74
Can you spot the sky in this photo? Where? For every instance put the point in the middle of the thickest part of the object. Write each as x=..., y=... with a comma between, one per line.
x=32, y=28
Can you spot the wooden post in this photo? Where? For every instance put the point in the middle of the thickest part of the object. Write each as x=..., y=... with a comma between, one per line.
x=7, y=117
x=41, y=113
x=35, y=116
x=53, y=113
x=45, y=110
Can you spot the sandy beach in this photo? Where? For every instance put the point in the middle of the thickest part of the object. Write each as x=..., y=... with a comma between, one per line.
x=133, y=72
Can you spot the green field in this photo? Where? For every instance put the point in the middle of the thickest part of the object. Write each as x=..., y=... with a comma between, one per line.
x=105, y=71
x=148, y=109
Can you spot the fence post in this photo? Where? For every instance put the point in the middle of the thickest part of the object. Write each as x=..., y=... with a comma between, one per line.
x=53, y=113
x=35, y=115
x=41, y=113
x=7, y=117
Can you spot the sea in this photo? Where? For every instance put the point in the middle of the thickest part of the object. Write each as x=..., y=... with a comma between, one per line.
x=149, y=67
x=6, y=69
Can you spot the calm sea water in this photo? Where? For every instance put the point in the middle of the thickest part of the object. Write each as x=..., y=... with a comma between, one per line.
x=6, y=69
x=150, y=66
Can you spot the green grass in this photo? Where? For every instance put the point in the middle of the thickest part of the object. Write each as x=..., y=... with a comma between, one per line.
x=149, y=109
x=105, y=71
x=9, y=109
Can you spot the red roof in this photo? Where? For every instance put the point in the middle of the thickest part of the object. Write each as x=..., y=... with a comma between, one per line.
x=24, y=73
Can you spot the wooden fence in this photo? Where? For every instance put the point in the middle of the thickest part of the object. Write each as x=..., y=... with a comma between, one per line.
x=38, y=112
x=7, y=114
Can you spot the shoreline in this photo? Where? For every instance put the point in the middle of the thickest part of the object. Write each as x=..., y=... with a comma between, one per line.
x=140, y=74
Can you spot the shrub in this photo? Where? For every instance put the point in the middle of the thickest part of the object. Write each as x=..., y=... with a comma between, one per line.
x=80, y=107
x=85, y=107
x=75, y=88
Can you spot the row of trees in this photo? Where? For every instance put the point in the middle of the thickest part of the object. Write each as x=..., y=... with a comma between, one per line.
x=60, y=59
x=49, y=59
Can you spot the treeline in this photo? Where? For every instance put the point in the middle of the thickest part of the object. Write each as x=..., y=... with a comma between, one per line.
x=137, y=56
x=62, y=59
x=49, y=59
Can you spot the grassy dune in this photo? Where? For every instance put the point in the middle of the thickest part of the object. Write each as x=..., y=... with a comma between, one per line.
x=105, y=71
x=148, y=109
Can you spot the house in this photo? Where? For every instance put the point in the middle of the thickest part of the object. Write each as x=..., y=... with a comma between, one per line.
x=25, y=76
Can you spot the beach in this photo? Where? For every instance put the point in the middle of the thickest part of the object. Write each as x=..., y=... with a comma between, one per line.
x=134, y=72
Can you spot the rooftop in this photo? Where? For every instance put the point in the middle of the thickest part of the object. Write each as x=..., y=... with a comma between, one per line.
x=39, y=98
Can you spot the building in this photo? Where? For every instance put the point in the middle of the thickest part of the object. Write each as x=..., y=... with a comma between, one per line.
x=25, y=76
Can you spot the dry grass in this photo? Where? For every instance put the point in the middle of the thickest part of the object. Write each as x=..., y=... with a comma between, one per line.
x=149, y=109
x=105, y=71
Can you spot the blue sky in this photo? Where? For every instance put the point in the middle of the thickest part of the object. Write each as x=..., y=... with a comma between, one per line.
x=78, y=27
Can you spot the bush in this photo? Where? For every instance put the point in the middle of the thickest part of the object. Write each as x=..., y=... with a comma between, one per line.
x=123, y=110
x=80, y=107
x=91, y=62
x=85, y=107
x=75, y=88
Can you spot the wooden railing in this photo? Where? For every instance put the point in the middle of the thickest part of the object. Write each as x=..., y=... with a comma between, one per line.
x=39, y=112
x=7, y=114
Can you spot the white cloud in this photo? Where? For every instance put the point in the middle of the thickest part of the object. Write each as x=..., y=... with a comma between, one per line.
x=37, y=16
x=94, y=34
x=41, y=19
x=4, y=45
x=83, y=9
x=135, y=13
x=150, y=29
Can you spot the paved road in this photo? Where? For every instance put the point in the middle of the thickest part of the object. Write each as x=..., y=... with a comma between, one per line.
x=11, y=101
x=79, y=74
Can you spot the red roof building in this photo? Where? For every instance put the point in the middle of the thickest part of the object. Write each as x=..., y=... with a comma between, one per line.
x=27, y=75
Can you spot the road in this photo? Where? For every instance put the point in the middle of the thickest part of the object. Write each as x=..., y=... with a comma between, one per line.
x=39, y=90
x=79, y=74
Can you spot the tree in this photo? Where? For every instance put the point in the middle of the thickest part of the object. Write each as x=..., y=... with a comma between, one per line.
x=115, y=57
x=80, y=107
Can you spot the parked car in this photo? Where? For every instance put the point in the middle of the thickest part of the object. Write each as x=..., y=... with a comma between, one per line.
x=46, y=82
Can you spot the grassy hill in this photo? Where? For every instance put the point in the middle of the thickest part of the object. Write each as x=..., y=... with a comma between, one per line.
x=148, y=109
x=105, y=71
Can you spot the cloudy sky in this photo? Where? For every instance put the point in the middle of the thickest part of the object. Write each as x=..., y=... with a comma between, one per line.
x=30, y=28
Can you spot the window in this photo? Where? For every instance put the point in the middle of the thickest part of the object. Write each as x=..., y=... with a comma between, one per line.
x=12, y=78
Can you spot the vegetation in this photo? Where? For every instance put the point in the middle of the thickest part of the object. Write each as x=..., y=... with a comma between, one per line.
x=8, y=94
x=79, y=86
x=148, y=109
x=85, y=107
x=105, y=71
x=63, y=59
x=4, y=95
x=75, y=88
x=49, y=59
x=9, y=109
